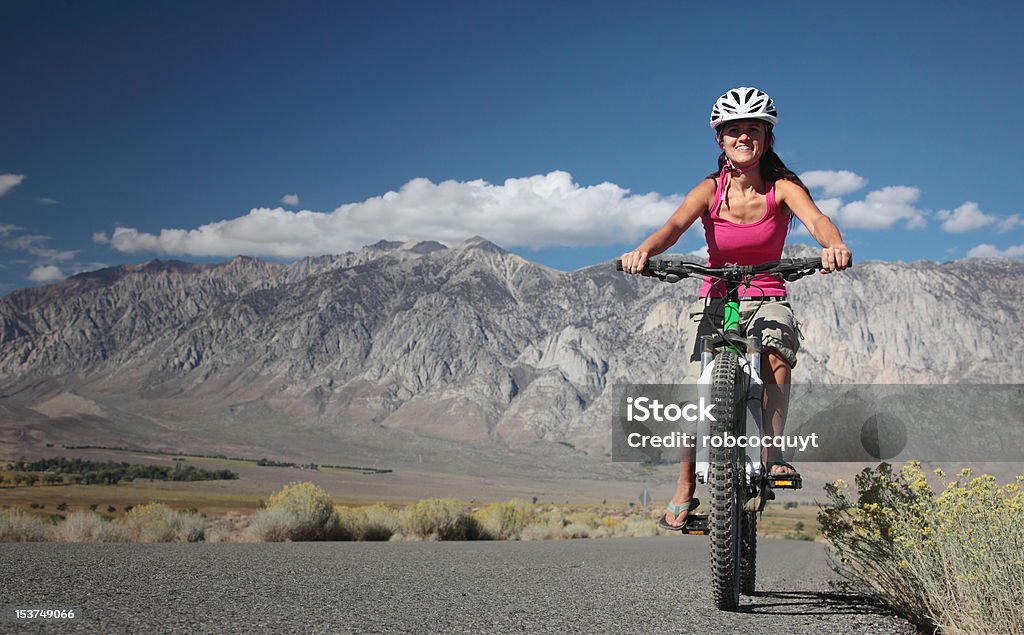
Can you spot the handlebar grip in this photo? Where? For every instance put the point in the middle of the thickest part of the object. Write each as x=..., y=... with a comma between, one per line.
x=618, y=264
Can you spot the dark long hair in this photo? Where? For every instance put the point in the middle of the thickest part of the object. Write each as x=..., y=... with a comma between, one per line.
x=772, y=168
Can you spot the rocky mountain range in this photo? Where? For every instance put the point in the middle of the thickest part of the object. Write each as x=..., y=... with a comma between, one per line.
x=469, y=344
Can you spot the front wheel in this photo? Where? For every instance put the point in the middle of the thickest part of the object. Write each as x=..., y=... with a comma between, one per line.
x=726, y=480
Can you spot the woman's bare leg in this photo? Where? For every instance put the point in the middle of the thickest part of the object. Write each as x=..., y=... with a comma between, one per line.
x=685, y=487
x=776, y=403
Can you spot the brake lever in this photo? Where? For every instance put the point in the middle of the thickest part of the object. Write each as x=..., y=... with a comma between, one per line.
x=796, y=275
x=669, y=276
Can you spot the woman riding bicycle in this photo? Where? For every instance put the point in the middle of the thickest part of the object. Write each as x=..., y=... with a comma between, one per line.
x=746, y=207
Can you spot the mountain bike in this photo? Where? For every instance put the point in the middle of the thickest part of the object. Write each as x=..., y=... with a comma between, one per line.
x=739, y=483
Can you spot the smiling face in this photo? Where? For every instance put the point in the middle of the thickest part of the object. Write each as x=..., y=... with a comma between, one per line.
x=743, y=141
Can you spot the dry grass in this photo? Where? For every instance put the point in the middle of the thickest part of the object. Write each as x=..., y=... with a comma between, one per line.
x=17, y=526
x=82, y=497
x=85, y=526
x=234, y=517
x=798, y=522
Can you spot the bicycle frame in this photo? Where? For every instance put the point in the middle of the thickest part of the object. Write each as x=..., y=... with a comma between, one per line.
x=749, y=350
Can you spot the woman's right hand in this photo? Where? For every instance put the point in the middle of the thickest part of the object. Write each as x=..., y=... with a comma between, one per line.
x=634, y=261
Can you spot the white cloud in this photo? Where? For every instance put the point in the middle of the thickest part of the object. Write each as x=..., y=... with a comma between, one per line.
x=830, y=206
x=34, y=245
x=48, y=273
x=700, y=253
x=291, y=200
x=10, y=181
x=969, y=217
x=833, y=182
x=85, y=267
x=881, y=209
x=537, y=211
x=991, y=251
x=1010, y=223
x=8, y=228
x=965, y=218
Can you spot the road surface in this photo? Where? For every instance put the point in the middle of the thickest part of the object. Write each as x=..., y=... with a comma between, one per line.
x=634, y=585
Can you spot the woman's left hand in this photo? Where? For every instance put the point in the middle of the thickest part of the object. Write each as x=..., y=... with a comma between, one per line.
x=835, y=258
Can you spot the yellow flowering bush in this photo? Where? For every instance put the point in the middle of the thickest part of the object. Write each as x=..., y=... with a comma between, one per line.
x=505, y=521
x=440, y=519
x=952, y=559
x=300, y=511
x=374, y=523
x=156, y=522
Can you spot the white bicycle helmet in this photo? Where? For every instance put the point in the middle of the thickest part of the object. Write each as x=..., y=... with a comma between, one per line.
x=744, y=102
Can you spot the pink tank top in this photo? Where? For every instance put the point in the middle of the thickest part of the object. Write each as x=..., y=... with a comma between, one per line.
x=745, y=244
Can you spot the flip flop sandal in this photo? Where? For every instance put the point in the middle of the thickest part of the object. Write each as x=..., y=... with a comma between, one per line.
x=688, y=506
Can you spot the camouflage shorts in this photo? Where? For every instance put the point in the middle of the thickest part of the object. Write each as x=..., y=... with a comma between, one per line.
x=771, y=322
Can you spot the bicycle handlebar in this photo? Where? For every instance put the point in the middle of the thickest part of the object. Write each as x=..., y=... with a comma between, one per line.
x=675, y=268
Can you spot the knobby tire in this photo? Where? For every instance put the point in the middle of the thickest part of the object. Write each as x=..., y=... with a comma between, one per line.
x=726, y=480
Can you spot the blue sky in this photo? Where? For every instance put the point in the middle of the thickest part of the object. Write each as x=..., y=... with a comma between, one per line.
x=564, y=131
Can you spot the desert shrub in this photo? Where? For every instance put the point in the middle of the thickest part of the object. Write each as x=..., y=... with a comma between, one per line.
x=577, y=530
x=304, y=508
x=593, y=520
x=549, y=525
x=552, y=517
x=380, y=522
x=17, y=526
x=953, y=559
x=374, y=523
x=88, y=526
x=345, y=523
x=277, y=524
x=542, y=531
x=505, y=521
x=218, y=533
x=440, y=519
x=636, y=526
x=156, y=522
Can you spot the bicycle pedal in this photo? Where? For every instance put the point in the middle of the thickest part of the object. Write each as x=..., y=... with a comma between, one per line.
x=785, y=481
x=696, y=525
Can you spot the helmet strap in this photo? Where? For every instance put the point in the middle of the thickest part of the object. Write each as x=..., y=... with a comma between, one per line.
x=735, y=170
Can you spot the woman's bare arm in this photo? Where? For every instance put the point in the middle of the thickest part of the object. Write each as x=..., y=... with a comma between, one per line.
x=695, y=204
x=835, y=255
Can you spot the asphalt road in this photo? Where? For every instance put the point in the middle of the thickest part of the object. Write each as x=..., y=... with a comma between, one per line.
x=642, y=585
